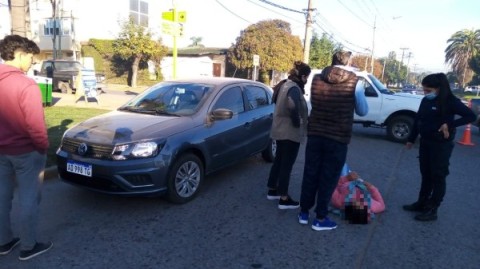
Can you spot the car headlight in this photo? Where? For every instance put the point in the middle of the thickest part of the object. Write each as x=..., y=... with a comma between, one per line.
x=137, y=150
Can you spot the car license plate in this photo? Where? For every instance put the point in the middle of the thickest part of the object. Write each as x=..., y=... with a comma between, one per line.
x=83, y=169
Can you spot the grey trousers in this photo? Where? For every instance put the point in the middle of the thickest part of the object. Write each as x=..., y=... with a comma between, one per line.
x=27, y=170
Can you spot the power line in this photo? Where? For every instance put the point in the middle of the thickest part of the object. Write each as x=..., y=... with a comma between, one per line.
x=275, y=11
x=282, y=7
x=354, y=14
x=233, y=13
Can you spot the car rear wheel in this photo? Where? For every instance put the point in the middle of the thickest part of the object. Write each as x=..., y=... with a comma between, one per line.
x=399, y=128
x=185, y=179
x=269, y=153
x=64, y=87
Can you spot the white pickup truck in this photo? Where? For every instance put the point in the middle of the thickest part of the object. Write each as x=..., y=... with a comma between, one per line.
x=395, y=111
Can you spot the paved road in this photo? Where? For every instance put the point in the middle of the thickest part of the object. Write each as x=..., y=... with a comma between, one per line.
x=232, y=225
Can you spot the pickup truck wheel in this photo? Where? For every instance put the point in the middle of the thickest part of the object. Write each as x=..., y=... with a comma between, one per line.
x=399, y=128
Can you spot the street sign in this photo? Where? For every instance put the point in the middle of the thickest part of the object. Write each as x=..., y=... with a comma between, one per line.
x=256, y=60
x=172, y=28
x=181, y=16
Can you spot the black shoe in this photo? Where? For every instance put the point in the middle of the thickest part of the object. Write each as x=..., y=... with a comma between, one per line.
x=8, y=247
x=428, y=215
x=38, y=249
x=415, y=207
x=288, y=203
x=272, y=195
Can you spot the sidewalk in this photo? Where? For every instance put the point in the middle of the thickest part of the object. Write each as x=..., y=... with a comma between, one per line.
x=106, y=99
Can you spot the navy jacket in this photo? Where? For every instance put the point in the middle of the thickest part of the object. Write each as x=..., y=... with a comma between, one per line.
x=429, y=118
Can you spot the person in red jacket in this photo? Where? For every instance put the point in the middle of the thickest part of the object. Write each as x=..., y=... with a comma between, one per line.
x=341, y=191
x=23, y=146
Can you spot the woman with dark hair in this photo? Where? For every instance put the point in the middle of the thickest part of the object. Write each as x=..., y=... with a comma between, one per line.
x=288, y=129
x=436, y=124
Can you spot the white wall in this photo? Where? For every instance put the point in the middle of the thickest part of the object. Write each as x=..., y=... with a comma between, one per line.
x=4, y=20
x=187, y=67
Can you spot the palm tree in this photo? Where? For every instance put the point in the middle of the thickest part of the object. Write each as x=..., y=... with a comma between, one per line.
x=464, y=46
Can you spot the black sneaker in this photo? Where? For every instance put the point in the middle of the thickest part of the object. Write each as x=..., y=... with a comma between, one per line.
x=8, y=247
x=38, y=249
x=288, y=203
x=272, y=195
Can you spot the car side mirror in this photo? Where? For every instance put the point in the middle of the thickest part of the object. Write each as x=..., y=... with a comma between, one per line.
x=221, y=114
x=35, y=72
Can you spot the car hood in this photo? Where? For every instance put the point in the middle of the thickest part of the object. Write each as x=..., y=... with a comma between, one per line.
x=408, y=95
x=118, y=127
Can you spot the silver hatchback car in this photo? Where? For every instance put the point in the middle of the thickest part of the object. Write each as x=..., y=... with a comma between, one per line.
x=165, y=140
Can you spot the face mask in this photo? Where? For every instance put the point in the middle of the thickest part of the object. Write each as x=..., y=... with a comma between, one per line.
x=431, y=95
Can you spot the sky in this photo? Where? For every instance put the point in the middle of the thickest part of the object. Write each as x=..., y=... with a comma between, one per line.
x=417, y=28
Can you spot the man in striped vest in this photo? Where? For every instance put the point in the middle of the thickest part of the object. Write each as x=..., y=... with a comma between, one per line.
x=335, y=96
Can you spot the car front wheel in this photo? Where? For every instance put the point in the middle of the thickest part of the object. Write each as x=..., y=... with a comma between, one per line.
x=269, y=153
x=399, y=128
x=185, y=179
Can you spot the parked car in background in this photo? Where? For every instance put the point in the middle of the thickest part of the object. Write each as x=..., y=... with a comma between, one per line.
x=64, y=74
x=168, y=138
x=410, y=88
x=472, y=89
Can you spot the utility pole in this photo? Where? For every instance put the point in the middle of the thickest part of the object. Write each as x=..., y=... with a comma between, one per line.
x=409, y=55
x=308, y=32
x=20, y=17
x=403, y=54
x=373, y=41
x=401, y=62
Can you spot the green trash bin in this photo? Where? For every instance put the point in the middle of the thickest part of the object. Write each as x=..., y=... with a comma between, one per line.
x=45, y=85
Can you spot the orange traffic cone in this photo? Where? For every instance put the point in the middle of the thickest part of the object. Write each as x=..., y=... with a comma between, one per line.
x=466, y=139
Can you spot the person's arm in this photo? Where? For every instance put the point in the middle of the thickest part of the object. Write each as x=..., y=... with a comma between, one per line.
x=293, y=96
x=414, y=133
x=377, y=203
x=361, y=105
x=466, y=114
x=32, y=108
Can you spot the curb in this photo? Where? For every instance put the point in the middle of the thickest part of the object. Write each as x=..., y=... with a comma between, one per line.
x=50, y=172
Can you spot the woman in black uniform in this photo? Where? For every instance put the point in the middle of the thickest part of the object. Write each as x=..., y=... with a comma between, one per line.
x=436, y=124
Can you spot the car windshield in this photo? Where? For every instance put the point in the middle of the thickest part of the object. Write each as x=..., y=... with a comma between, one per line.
x=379, y=85
x=70, y=66
x=170, y=98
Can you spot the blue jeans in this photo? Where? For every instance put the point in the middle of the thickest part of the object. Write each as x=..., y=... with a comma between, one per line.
x=279, y=178
x=27, y=169
x=324, y=159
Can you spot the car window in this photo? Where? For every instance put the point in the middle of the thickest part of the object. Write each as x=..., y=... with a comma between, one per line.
x=369, y=90
x=231, y=99
x=382, y=88
x=256, y=96
x=171, y=98
x=68, y=66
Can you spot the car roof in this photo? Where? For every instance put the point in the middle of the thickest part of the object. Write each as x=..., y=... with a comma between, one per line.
x=217, y=81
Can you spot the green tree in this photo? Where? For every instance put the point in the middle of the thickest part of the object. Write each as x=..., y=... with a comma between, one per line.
x=273, y=41
x=196, y=41
x=463, y=46
x=321, y=51
x=134, y=43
